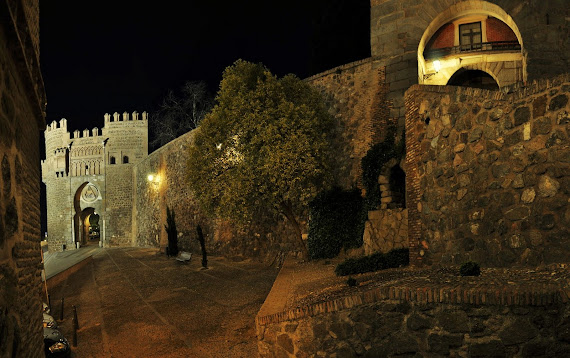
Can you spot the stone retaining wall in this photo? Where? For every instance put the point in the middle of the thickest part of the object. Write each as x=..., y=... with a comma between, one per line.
x=488, y=174
x=405, y=321
x=385, y=230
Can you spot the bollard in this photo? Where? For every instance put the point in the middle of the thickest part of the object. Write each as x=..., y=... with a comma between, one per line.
x=74, y=332
x=75, y=320
x=49, y=302
x=61, y=311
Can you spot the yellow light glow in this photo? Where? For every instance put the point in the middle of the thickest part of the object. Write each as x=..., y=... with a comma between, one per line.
x=150, y=177
x=437, y=65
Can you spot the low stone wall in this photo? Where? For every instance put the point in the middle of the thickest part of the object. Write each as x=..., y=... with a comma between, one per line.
x=385, y=230
x=435, y=321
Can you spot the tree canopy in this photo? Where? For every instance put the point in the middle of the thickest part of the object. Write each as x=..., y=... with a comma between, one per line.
x=266, y=148
x=179, y=114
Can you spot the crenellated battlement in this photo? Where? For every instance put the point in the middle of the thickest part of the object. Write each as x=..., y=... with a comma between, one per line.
x=125, y=117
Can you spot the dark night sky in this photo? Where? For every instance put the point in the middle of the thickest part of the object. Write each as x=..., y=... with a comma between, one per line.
x=106, y=56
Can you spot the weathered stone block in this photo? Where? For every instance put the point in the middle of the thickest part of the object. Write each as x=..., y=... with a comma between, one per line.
x=558, y=102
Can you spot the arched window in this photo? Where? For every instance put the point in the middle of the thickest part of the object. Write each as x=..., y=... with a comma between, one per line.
x=125, y=160
x=112, y=160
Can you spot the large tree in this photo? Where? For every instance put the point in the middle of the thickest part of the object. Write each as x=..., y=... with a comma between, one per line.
x=179, y=113
x=266, y=149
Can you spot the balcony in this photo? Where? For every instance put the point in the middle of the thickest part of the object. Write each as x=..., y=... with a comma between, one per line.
x=477, y=47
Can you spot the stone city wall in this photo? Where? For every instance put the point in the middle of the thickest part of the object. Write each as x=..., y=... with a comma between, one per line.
x=489, y=174
x=58, y=211
x=168, y=188
x=20, y=122
x=119, y=204
x=356, y=95
x=394, y=322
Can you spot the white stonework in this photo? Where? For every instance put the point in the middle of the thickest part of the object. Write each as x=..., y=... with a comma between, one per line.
x=91, y=174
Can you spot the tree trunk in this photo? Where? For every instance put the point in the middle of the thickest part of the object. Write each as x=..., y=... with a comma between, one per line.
x=288, y=212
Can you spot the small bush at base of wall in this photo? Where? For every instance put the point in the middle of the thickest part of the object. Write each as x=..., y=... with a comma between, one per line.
x=336, y=221
x=374, y=262
x=470, y=268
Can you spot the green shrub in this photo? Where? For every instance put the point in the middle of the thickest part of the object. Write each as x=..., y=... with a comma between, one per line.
x=337, y=219
x=470, y=268
x=374, y=262
x=351, y=282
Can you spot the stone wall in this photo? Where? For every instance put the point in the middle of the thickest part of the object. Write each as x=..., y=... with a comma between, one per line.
x=59, y=217
x=21, y=119
x=119, y=205
x=356, y=95
x=488, y=174
x=385, y=230
x=168, y=188
x=394, y=323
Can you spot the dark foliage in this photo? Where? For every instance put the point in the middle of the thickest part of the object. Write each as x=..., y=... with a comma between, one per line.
x=470, y=268
x=351, y=282
x=172, y=249
x=337, y=220
x=374, y=262
x=202, y=246
x=372, y=164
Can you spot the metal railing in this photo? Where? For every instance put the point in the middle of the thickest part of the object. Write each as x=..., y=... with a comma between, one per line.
x=478, y=47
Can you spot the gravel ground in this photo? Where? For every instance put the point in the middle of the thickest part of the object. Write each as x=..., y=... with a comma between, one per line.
x=133, y=302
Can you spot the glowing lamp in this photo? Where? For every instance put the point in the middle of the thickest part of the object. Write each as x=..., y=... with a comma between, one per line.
x=437, y=65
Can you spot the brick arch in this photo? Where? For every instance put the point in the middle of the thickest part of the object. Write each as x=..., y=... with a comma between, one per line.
x=459, y=10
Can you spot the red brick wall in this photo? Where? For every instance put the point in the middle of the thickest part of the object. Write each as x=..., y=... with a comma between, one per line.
x=444, y=37
x=499, y=31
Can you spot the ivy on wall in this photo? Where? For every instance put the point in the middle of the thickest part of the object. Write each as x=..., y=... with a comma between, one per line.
x=373, y=162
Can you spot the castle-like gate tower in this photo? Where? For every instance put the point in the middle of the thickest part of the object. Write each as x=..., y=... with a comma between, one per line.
x=89, y=182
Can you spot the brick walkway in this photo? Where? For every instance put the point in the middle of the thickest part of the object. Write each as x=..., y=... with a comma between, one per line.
x=132, y=302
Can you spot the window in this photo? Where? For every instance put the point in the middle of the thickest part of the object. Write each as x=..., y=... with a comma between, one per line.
x=125, y=160
x=112, y=160
x=470, y=37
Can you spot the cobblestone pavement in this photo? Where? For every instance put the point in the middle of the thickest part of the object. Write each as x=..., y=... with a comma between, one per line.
x=133, y=302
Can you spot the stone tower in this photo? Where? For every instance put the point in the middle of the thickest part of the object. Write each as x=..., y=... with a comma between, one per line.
x=88, y=178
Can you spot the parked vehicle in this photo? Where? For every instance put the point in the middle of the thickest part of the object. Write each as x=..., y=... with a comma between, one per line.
x=55, y=344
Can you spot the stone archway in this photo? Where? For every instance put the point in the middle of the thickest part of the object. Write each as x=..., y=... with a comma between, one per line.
x=87, y=204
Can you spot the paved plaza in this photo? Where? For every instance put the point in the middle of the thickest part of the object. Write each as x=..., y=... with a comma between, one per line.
x=135, y=302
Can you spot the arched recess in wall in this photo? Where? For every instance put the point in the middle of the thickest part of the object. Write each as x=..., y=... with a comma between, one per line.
x=86, y=202
x=475, y=21
x=393, y=185
x=472, y=77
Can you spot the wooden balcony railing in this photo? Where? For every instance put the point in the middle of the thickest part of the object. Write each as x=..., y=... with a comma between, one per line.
x=480, y=47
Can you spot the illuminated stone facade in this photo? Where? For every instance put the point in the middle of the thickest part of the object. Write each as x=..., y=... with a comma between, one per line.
x=90, y=176
x=22, y=106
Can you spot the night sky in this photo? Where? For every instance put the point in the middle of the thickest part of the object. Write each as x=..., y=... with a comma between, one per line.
x=107, y=56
